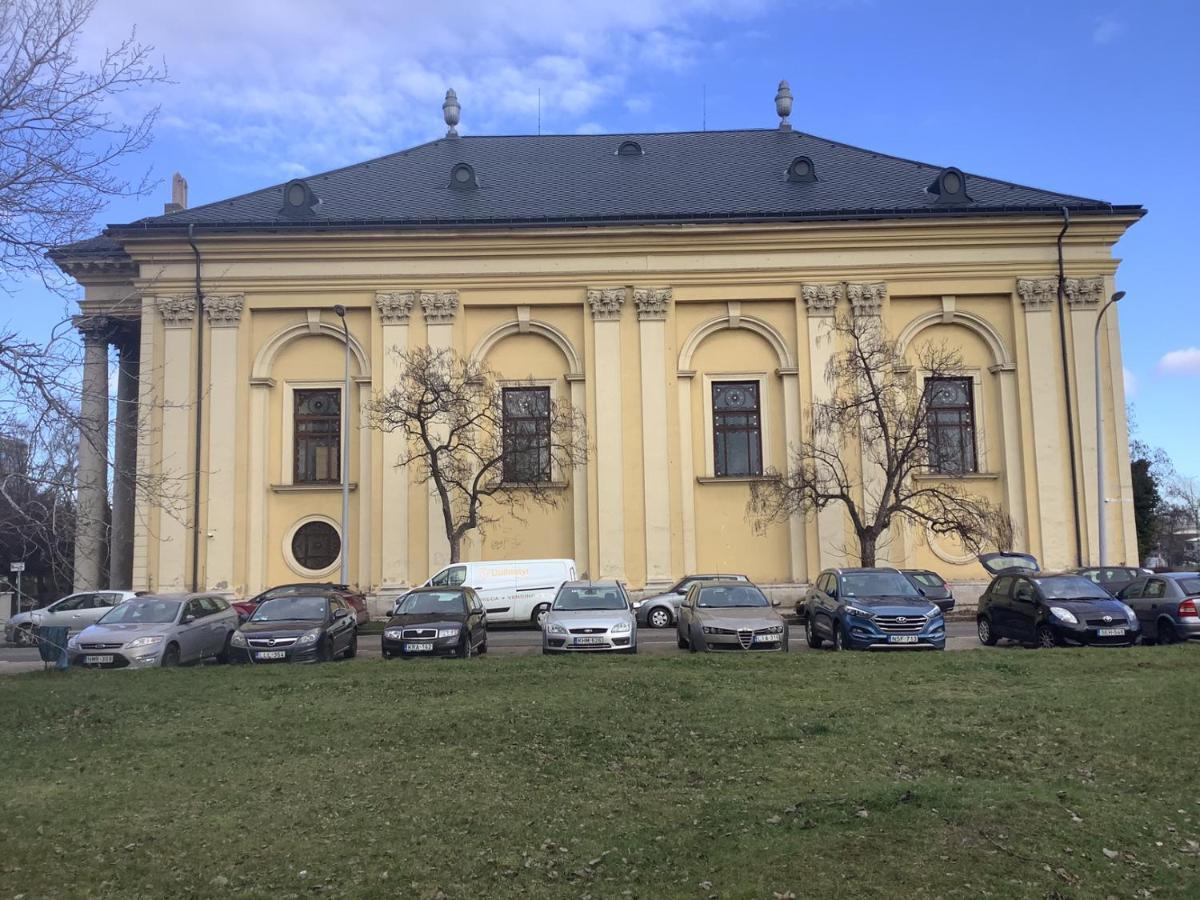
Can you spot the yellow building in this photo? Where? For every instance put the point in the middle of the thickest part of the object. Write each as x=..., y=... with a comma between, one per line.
x=649, y=279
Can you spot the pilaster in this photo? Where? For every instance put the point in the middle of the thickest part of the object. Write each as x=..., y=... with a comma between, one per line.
x=395, y=308
x=440, y=309
x=652, y=305
x=146, y=446
x=92, y=479
x=821, y=302
x=1083, y=299
x=605, y=305
x=178, y=315
x=224, y=317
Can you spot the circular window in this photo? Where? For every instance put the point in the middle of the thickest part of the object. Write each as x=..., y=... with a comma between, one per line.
x=316, y=545
x=951, y=183
x=802, y=167
x=296, y=195
x=462, y=174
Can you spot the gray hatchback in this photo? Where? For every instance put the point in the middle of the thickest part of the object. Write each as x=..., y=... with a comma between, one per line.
x=157, y=630
x=590, y=616
x=1166, y=605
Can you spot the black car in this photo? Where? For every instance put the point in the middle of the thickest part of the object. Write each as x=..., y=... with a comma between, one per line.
x=1049, y=609
x=1113, y=579
x=437, y=621
x=931, y=586
x=312, y=628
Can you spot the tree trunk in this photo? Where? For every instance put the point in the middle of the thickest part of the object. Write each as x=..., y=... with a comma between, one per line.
x=455, y=542
x=866, y=550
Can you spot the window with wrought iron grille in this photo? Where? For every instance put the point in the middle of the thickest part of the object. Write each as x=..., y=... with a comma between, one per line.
x=737, y=429
x=317, y=436
x=316, y=545
x=526, y=434
x=950, y=422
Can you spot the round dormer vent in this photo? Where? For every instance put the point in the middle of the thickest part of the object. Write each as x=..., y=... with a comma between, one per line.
x=950, y=187
x=298, y=199
x=629, y=148
x=802, y=170
x=462, y=177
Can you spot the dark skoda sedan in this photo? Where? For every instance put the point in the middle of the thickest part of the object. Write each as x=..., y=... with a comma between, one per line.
x=316, y=628
x=437, y=622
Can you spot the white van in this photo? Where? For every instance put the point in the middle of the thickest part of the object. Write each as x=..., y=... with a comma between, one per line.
x=512, y=590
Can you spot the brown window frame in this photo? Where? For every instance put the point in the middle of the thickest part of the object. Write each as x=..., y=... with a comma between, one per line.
x=540, y=434
x=966, y=431
x=303, y=461
x=720, y=430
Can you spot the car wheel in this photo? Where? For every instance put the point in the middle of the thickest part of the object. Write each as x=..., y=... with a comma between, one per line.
x=659, y=618
x=694, y=645
x=24, y=636
x=1045, y=637
x=839, y=641
x=352, y=650
x=546, y=651
x=787, y=647
x=680, y=640
x=813, y=639
x=465, y=649
x=1166, y=631
x=483, y=647
x=983, y=627
x=325, y=653
x=223, y=656
x=170, y=657
x=539, y=615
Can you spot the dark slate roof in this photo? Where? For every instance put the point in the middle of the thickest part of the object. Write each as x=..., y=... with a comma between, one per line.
x=580, y=179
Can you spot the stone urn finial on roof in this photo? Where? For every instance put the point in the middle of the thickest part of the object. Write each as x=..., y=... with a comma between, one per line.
x=783, y=105
x=450, y=112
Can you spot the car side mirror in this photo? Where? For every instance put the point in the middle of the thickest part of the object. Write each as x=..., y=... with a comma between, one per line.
x=923, y=592
x=187, y=620
x=775, y=601
x=340, y=613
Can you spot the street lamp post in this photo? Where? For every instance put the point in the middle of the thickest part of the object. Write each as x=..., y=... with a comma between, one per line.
x=1102, y=526
x=345, y=454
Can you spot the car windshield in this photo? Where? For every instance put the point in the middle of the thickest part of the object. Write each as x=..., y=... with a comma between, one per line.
x=928, y=579
x=580, y=598
x=724, y=597
x=285, y=590
x=1070, y=587
x=285, y=609
x=449, y=602
x=1189, y=585
x=877, y=584
x=142, y=612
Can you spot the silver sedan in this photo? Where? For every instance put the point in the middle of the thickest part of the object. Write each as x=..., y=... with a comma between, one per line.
x=160, y=630
x=590, y=616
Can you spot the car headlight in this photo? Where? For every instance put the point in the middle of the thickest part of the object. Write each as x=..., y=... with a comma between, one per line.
x=861, y=613
x=1129, y=613
x=145, y=641
x=394, y=633
x=309, y=637
x=1064, y=615
x=555, y=628
x=713, y=629
x=637, y=604
x=73, y=642
x=447, y=632
x=620, y=628
x=238, y=640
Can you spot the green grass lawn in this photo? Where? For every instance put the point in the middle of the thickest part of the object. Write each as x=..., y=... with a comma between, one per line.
x=985, y=774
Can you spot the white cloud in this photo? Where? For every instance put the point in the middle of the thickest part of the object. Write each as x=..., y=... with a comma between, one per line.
x=590, y=128
x=1180, y=362
x=1131, y=383
x=323, y=83
x=1106, y=29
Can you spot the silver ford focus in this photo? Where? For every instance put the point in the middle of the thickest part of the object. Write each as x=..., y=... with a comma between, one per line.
x=590, y=616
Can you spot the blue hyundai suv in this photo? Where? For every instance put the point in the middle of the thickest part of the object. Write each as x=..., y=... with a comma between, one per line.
x=871, y=609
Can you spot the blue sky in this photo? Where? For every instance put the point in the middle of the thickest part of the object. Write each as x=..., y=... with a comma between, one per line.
x=1091, y=98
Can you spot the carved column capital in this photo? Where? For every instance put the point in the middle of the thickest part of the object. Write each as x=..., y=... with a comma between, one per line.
x=867, y=299
x=177, y=312
x=1037, y=293
x=822, y=299
x=95, y=329
x=395, y=306
x=225, y=311
x=439, y=307
x=606, y=303
x=652, y=303
x=1084, y=292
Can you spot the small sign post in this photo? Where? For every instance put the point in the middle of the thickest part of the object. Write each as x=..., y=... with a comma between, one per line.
x=18, y=568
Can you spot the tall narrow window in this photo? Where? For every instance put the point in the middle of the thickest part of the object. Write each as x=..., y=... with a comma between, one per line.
x=737, y=429
x=527, y=434
x=951, y=425
x=317, y=437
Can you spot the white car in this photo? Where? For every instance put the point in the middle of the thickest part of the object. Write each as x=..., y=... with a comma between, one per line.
x=75, y=611
x=519, y=591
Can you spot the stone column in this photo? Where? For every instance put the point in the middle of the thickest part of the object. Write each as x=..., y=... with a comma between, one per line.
x=439, y=308
x=125, y=439
x=224, y=316
x=1083, y=298
x=821, y=301
x=1014, y=465
x=178, y=375
x=92, y=478
x=1038, y=297
x=579, y=485
x=652, y=304
x=148, y=401
x=606, y=306
x=394, y=307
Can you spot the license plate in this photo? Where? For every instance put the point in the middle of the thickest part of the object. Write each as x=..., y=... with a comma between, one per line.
x=1111, y=632
x=418, y=648
x=270, y=654
x=589, y=640
x=767, y=638
x=902, y=639
x=97, y=660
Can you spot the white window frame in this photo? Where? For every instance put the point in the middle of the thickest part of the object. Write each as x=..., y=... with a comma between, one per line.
x=287, y=472
x=294, y=564
x=763, y=422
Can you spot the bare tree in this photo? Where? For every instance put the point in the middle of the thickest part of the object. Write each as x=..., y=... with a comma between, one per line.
x=60, y=140
x=484, y=447
x=877, y=401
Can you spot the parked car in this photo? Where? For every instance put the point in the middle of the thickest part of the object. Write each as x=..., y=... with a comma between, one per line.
x=871, y=609
x=356, y=601
x=517, y=591
x=1166, y=606
x=1114, y=579
x=590, y=616
x=1024, y=604
x=662, y=610
x=75, y=612
x=437, y=622
x=931, y=586
x=157, y=630
x=729, y=615
x=315, y=627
